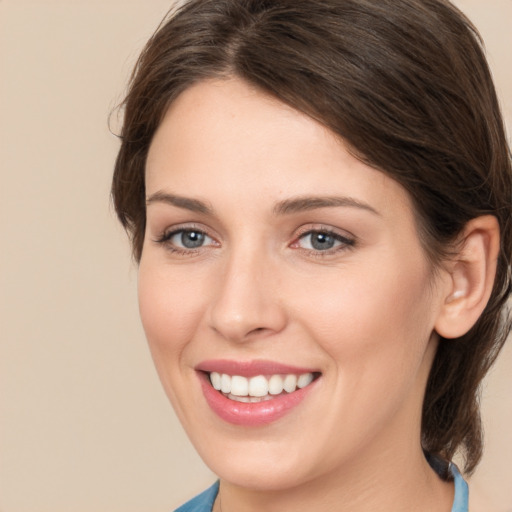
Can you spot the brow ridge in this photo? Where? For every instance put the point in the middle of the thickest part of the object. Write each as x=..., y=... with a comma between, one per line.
x=188, y=203
x=305, y=203
x=285, y=207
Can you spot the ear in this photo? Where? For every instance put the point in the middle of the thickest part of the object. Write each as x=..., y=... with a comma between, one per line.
x=471, y=274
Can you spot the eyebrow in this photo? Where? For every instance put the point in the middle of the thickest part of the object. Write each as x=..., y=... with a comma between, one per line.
x=187, y=203
x=286, y=207
x=305, y=203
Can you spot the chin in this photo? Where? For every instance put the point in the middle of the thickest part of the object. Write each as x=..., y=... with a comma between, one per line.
x=262, y=464
x=260, y=476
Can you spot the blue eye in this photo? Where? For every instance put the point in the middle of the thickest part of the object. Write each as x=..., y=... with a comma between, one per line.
x=186, y=239
x=323, y=241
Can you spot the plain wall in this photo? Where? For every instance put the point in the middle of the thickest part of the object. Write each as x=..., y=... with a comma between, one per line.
x=84, y=425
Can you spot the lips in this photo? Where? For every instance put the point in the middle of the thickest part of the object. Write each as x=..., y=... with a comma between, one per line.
x=256, y=392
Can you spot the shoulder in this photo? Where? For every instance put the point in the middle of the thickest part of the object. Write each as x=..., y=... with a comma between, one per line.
x=202, y=502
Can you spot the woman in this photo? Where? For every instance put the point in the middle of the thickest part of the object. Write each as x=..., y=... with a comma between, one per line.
x=318, y=197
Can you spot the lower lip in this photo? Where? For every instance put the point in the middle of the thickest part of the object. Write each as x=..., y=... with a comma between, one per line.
x=252, y=414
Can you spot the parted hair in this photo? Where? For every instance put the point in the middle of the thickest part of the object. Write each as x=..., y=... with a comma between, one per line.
x=406, y=85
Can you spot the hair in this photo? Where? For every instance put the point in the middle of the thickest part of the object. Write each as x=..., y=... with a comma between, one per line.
x=406, y=85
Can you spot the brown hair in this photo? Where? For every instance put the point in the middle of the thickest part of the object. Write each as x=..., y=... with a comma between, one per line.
x=406, y=84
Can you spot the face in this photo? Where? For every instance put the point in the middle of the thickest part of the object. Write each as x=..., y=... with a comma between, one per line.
x=272, y=257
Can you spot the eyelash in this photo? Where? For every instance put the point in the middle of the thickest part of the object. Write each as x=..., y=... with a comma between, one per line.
x=166, y=236
x=346, y=243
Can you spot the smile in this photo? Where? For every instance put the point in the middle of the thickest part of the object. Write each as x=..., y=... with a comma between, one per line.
x=259, y=388
x=254, y=393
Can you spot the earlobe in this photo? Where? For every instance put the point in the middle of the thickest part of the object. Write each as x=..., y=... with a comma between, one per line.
x=470, y=277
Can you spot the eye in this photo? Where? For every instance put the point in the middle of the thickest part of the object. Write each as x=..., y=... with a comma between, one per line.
x=185, y=239
x=189, y=239
x=323, y=241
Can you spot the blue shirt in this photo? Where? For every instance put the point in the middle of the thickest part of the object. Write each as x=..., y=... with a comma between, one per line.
x=204, y=502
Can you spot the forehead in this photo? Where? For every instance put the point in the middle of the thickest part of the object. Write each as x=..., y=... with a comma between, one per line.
x=225, y=138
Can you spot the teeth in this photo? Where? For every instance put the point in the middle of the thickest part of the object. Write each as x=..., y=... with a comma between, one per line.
x=290, y=383
x=247, y=399
x=275, y=385
x=239, y=386
x=216, y=380
x=225, y=383
x=304, y=380
x=257, y=388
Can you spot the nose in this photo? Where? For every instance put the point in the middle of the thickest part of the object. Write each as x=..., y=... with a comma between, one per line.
x=246, y=303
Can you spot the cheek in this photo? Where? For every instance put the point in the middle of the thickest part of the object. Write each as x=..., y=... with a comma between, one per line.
x=374, y=328
x=169, y=308
x=375, y=320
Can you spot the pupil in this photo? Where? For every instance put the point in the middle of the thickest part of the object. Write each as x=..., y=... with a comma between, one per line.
x=192, y=239
x=322, y=241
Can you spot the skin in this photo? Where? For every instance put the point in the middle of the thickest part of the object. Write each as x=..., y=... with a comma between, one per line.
x=364, y=313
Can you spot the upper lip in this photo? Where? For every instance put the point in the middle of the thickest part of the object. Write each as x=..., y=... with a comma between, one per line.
x=250, y=368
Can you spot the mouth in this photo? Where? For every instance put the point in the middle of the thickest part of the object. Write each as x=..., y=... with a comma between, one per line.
x=254, y=393
x=259, y=388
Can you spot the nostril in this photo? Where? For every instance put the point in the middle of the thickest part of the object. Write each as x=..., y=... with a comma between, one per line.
x=257, y=330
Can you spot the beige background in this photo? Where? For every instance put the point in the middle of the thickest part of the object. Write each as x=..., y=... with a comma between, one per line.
x=84, y=425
